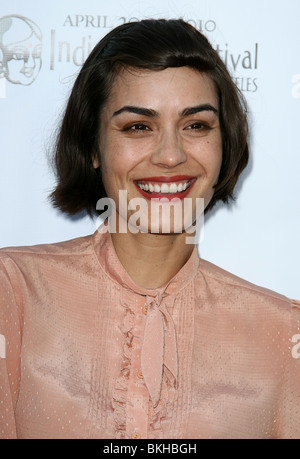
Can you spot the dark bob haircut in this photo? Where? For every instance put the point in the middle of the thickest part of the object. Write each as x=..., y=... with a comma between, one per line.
x=153, y=44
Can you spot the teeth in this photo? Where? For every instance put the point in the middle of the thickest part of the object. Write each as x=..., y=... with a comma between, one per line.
x=166, y=188
x=173, y=188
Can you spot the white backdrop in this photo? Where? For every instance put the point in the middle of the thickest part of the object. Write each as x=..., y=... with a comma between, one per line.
x=258, y=237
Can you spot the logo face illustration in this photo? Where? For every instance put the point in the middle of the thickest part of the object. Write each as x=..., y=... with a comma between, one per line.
x=20, y=49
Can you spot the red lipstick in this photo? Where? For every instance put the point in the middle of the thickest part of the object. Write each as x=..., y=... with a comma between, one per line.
x=157, y=180
x=166, y=179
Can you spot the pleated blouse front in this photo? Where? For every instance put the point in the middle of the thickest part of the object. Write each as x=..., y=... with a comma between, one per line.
x=86, y=353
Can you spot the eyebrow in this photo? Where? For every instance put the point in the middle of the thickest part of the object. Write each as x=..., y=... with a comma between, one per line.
x=154, y=114
x=137, y=110
x=199, y=108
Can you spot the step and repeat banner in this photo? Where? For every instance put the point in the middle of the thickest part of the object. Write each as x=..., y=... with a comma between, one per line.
x=44, y=44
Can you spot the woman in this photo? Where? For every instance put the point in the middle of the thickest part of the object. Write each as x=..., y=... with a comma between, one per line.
x=126, y=333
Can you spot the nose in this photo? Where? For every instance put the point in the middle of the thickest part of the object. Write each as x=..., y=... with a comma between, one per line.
x=29, y=62
x=169, y=152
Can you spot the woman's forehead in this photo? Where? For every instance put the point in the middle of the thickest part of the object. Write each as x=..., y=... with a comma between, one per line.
x=173, y=85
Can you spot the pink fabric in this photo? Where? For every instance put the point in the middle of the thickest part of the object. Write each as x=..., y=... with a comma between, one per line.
x=159, y=347
x=86, y=353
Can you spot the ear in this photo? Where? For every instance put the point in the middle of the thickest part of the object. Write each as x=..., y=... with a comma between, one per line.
x=95, y=160
x=96, y=163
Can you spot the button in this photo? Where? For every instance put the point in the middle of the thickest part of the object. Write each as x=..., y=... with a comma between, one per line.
x=135, y=435
x=140, y=374
x=145, y=309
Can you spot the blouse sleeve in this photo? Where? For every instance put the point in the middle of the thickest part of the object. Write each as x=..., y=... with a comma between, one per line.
x=290, y=402
x=10, y=349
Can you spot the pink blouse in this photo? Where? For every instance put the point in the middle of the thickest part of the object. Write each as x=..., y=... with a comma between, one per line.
x=86, y=353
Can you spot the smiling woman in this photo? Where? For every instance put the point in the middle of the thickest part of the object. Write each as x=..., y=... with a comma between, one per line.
x=130, y=49
x=172, y=130
x=127, y=333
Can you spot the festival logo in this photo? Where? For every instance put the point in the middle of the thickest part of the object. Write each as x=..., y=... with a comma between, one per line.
x=20, y=49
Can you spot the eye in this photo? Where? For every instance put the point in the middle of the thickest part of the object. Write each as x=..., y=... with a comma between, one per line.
x=18, y=55
x=198, y=126
x=139, y=127
x=37, y=52
x=136, y=128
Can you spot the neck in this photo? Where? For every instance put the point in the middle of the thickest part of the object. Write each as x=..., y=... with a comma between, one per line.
x=151, y=260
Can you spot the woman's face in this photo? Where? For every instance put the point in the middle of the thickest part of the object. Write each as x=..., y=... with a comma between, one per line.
x=160, y=141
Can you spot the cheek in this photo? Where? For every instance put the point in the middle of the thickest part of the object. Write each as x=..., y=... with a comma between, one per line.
x=217, y=162
x=119, y=157
x=114, y=166
x=210, y=158
x=215, y=147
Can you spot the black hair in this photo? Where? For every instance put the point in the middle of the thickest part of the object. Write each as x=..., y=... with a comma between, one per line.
x=153, y=44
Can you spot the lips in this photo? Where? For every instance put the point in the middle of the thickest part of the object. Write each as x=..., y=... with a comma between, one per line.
x=28, y=72
x=165, y=187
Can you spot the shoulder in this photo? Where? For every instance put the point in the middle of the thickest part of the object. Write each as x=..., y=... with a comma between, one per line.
x=22, y=259
x=222, y=283
x=267, y=319
x=75, y=246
